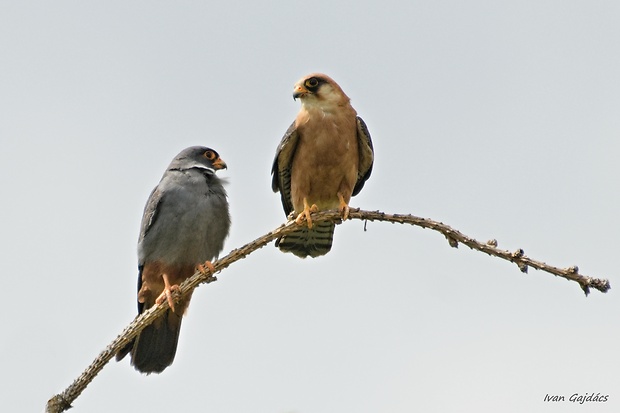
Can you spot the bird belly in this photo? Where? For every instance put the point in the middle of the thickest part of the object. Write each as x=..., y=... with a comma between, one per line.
x=325, y=164
x=191, y=231
x=153, y=283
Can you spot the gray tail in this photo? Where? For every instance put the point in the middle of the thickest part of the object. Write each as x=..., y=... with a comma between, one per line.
x=309, y=242
x=154, y=349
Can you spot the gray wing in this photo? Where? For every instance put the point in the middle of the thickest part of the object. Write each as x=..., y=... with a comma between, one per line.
x=150, y=212
x=366, y=154
x=148, y=218
x=281, y=169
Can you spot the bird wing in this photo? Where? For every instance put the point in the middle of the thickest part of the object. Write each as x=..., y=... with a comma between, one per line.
x=148, y=218
x=150, y=212
x=281, y=169
x=366, y=154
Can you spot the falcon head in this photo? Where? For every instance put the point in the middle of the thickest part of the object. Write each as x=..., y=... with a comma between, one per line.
x=319, y=89
x=198, y=157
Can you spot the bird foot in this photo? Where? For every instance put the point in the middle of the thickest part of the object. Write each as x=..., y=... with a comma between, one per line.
x=306, y=213
x=206, y=269
x=171, y=293
x=343, y=208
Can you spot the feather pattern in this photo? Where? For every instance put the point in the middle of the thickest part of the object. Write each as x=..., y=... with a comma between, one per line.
x=326, y=155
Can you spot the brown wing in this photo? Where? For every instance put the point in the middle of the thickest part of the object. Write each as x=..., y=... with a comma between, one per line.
x=281, y=169
x=366, y=154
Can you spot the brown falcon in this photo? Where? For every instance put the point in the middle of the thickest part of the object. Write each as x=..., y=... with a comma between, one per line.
x=324, y=159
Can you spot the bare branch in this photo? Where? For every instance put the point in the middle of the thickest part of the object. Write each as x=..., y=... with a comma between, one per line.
x=62, y=402
x=455, y=237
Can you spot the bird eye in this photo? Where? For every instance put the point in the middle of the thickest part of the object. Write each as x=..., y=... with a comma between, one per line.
x=312, y=82
x=209, y=155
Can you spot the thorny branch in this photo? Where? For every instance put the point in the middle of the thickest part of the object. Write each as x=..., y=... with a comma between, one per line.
x=62, y=401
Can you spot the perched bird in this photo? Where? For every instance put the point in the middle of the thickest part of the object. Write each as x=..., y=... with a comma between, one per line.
x=184, y=225
x=324, y=159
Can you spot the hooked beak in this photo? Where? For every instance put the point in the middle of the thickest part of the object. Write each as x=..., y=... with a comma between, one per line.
x=299, y=92
x=219, y=164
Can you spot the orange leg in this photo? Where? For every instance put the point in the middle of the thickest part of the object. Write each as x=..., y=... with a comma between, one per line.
x=306, y=213
x=168, y=293
x=343, y=207
x=207, y=266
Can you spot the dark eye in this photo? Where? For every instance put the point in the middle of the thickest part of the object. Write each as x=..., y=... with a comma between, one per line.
x=209, y=155
x=312, y=82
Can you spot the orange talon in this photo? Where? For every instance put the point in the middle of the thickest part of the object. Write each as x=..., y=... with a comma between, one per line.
x=206, y=267
x=343, y=207
x=306, y=213
x=169, y=294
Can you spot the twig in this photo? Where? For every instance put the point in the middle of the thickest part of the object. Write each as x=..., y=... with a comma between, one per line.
x=62, y=401
x=455, y=237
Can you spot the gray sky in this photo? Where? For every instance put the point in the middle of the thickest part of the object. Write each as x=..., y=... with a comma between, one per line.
x=501, y=120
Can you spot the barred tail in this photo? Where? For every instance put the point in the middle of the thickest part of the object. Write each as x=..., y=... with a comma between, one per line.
x=309, y=242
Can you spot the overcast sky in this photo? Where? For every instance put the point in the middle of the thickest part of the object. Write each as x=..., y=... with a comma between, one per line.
x=501, y=119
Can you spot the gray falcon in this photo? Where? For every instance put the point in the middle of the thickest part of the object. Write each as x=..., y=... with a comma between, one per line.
x=185, y=223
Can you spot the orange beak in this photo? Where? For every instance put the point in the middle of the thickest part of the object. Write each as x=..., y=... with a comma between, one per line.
x=219, y=164
x=299, y=92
